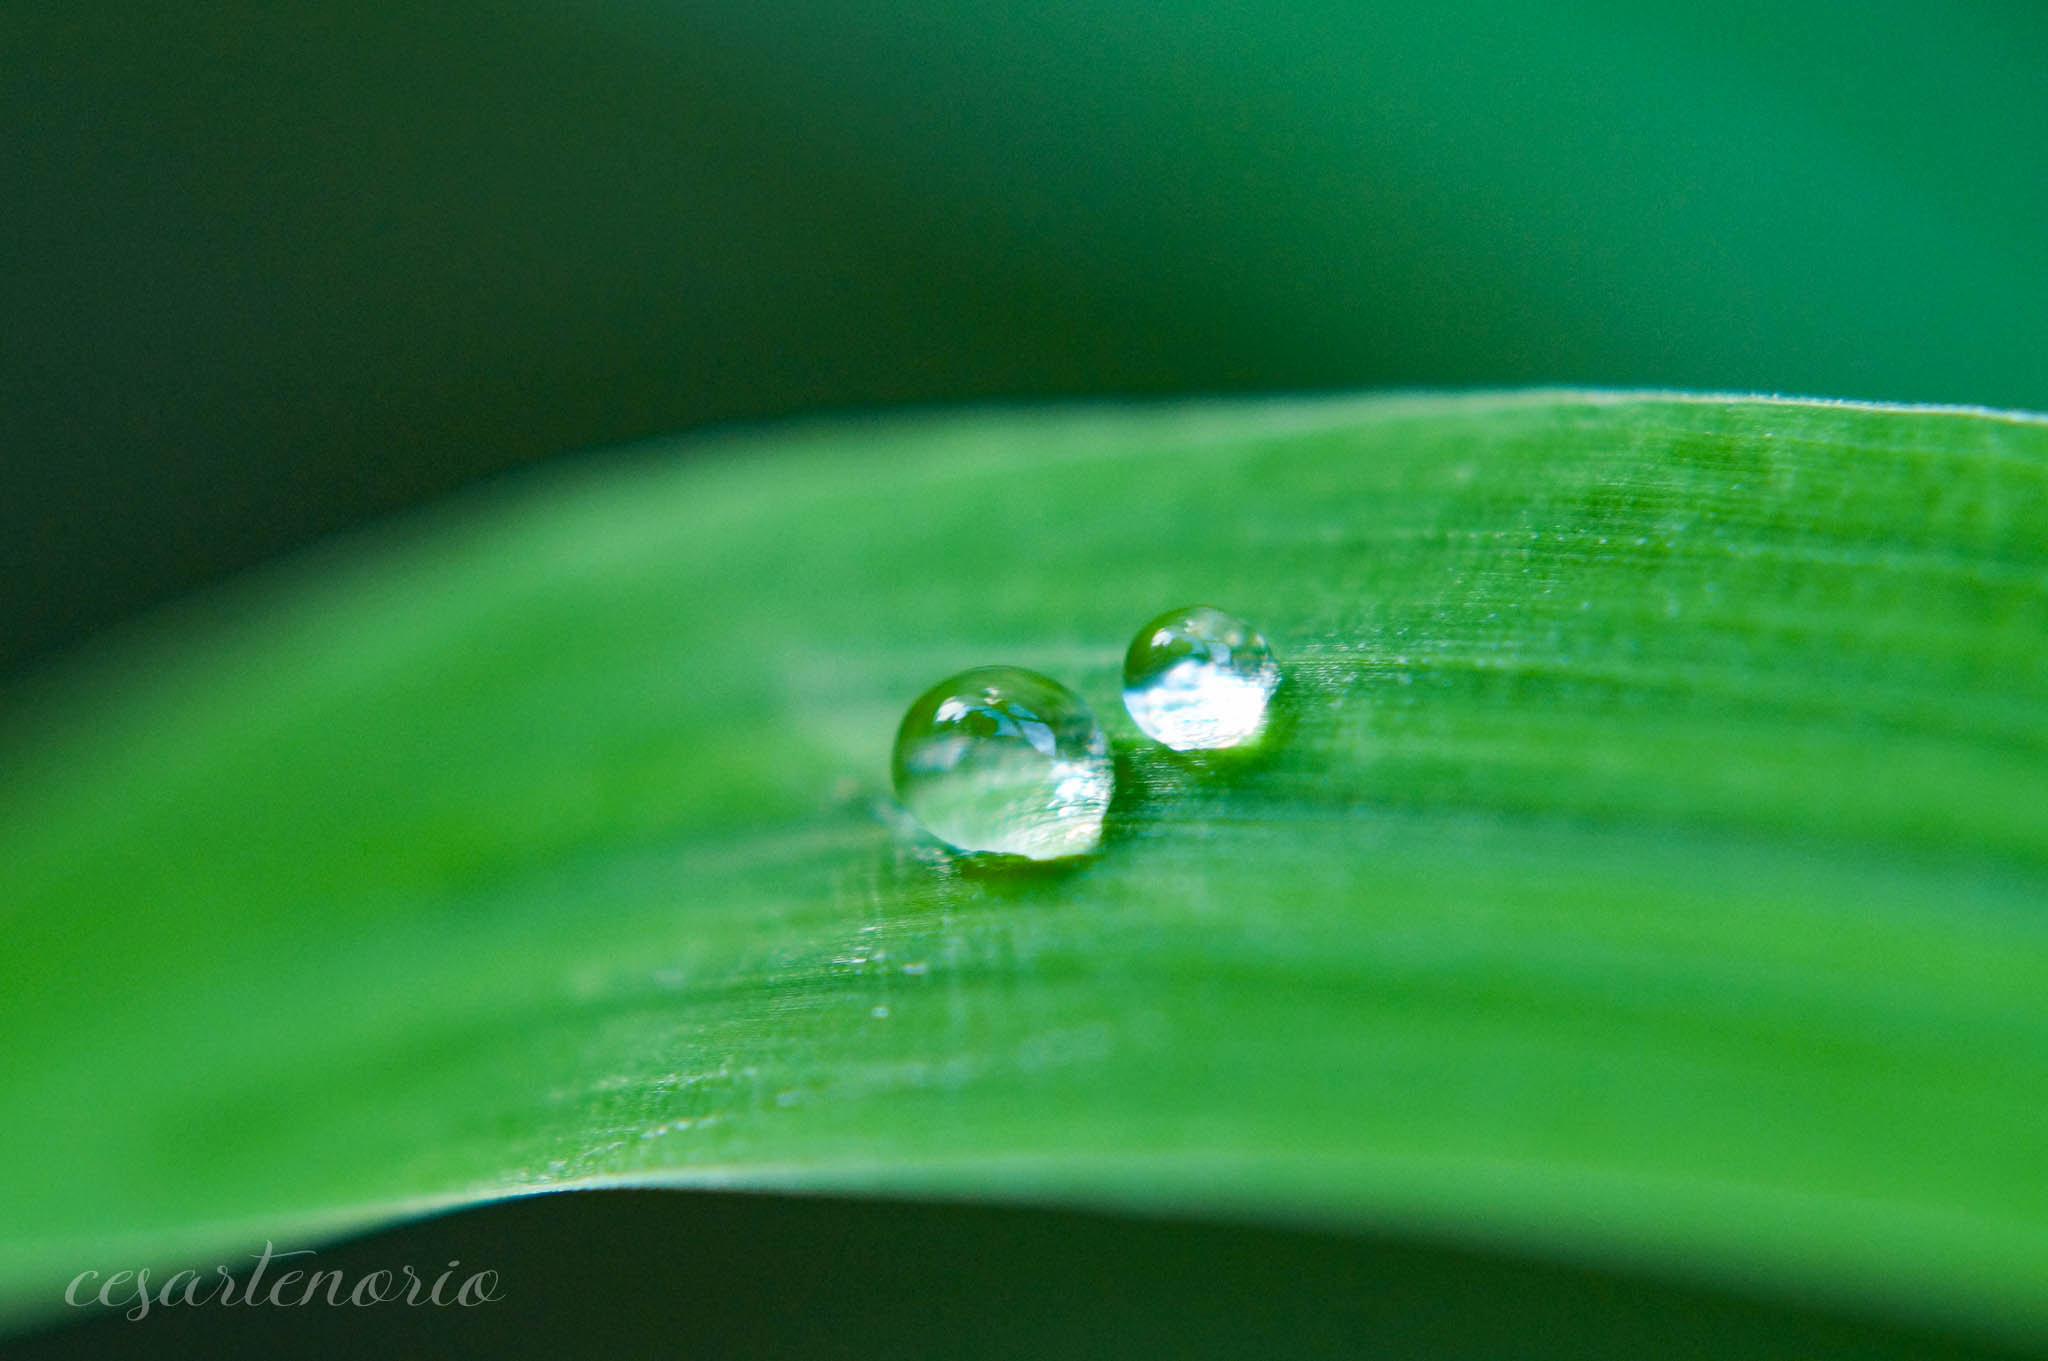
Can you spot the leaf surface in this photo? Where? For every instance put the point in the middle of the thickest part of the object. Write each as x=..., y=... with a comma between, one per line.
x=1651, y=865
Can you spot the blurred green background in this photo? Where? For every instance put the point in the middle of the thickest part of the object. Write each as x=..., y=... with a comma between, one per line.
x=653, y=1273
x=269, y=271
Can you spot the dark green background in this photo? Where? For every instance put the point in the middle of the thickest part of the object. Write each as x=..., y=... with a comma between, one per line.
x=652, y=1273
x=270, y=269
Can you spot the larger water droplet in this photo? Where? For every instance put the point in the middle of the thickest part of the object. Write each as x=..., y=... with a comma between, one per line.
x=1002, y=759
x=1198, y=679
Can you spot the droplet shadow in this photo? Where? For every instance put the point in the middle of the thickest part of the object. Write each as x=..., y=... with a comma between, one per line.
x=916, y=858
x=1153, y=781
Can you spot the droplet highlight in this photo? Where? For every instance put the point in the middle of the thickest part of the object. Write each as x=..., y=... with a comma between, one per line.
x=1004, y=760
x=1200, y=679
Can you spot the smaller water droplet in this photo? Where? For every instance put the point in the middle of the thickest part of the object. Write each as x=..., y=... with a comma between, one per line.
x=1198, y=679
x=1005, y=760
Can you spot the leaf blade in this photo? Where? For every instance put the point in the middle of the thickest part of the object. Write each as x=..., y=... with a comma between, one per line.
x=1651, y=870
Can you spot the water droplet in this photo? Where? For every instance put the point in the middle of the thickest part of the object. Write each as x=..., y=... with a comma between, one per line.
x=1005, y=760
x=1198, y=679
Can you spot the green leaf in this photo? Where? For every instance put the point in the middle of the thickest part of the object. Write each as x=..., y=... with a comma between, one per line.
x=1652, y=868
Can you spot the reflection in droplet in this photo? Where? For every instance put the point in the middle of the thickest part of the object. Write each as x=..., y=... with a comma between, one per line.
x=1198, y=679
x=1005, y=760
